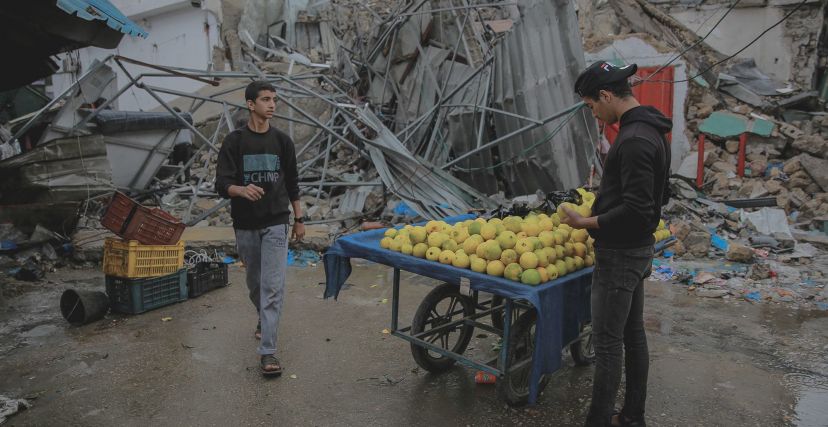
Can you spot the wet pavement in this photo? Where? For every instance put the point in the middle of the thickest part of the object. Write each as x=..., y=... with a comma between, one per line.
x=713, y=362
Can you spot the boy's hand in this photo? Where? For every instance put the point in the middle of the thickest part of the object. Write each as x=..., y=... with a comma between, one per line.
x=298, y=231
x=573, y=219
x=251, y=192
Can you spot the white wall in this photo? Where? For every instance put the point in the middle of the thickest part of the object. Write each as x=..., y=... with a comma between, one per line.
x=772, y=52
x=178, y=37
x=139, y=8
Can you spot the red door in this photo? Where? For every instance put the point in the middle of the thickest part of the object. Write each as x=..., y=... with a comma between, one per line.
x=658, y=92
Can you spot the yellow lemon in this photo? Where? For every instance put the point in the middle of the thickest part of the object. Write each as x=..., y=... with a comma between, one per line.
x=433, y=254
x=419, y=250
x=478, y=265
x=488, y=231
x=528, y=260
x=513, y=271
x=495, y=268
x=461, y=260
x=447, y=256
x=508, y=256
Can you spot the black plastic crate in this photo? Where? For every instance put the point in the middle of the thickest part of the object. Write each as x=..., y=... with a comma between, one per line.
x=205, y=277
x=133, y=296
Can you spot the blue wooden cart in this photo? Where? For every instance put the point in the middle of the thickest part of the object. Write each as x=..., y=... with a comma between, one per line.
x=542, y=320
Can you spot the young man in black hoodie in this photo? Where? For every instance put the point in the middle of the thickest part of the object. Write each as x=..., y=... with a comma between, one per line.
x=257, y=171
x=626, y=212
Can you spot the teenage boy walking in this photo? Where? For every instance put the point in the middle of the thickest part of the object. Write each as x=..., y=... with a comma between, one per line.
x=257, y=171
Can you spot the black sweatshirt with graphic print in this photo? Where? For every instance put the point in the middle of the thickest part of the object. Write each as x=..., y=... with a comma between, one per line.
x=635, y=183
x=267, y=160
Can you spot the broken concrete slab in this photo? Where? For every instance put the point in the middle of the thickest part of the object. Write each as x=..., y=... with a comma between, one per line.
x=698, y=243
x=739, y=253
x=817, y=168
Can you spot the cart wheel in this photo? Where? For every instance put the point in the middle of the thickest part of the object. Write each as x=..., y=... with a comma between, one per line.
x=583, y=350
x=444, y=304
x=513, y=388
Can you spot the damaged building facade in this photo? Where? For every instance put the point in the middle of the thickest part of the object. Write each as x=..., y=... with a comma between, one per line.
x=181, y=33
x=432, y=104
x=426, y=108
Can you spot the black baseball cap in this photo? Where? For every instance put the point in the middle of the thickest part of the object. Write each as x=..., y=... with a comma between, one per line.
x=600, y=74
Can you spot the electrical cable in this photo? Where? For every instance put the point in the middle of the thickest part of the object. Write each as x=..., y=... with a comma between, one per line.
x=787, y=15
x=698, y=42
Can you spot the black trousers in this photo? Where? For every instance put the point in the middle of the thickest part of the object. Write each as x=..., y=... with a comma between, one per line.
x=618, y=332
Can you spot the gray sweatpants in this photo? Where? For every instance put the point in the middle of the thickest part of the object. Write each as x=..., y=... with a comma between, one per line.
x=264, y=253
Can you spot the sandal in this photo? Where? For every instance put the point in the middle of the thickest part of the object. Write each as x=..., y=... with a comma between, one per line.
x=270, y=360
x=624, y=421
x=258, y=333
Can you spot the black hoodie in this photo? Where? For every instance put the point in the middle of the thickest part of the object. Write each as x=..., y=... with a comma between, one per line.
x=635, y=183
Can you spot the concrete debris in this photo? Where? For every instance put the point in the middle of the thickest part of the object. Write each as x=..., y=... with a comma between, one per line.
x=698, y=243
x=759, y=271
x=9, y=407
x=409, y=111
x=739, y=253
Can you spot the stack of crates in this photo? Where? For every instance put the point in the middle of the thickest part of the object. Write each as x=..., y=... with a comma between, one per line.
x=144, y=270
x=140, y=277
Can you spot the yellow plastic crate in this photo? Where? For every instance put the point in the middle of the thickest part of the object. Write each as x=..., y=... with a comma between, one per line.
x=130, y=259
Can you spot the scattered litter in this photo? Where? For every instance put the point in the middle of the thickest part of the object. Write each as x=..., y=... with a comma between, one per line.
x=303, y=258
x=9, y=407
x=663, y=273
x=754, y=296
x=719, y=242
x=711, y=293
x=166, y=319
x=703, y=278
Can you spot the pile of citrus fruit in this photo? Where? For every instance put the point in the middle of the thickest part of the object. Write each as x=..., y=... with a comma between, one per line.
x=532, y=249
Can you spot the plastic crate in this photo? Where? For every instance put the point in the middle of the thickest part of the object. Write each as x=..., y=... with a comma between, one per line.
x=133, y=260
x=154, y=227
x=118, y=213
x=205, y=277
x=128, y=219
x=134, y=296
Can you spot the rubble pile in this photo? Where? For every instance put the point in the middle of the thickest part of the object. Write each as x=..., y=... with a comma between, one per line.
x=414, y=109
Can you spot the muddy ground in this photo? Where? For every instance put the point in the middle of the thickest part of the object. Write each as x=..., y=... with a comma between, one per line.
x=713, y=362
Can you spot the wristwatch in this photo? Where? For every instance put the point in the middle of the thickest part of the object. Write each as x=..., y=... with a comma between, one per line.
x=301, y=219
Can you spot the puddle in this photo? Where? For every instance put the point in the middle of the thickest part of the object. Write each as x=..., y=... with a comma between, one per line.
x=39, y=331
x=811, y=393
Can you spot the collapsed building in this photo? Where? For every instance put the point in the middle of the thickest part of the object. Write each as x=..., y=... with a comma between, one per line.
x=432, y=108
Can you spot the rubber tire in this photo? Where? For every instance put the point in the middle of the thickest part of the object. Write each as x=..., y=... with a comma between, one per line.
x=580, y=355
x=436, y=365
x=522, y=328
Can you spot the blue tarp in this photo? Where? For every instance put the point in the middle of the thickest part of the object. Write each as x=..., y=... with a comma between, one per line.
x=91, y=10
x=562, y=304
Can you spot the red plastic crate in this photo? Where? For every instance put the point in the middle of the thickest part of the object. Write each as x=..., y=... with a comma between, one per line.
x=118, y=213
x=131, y=221
x=154, y=227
